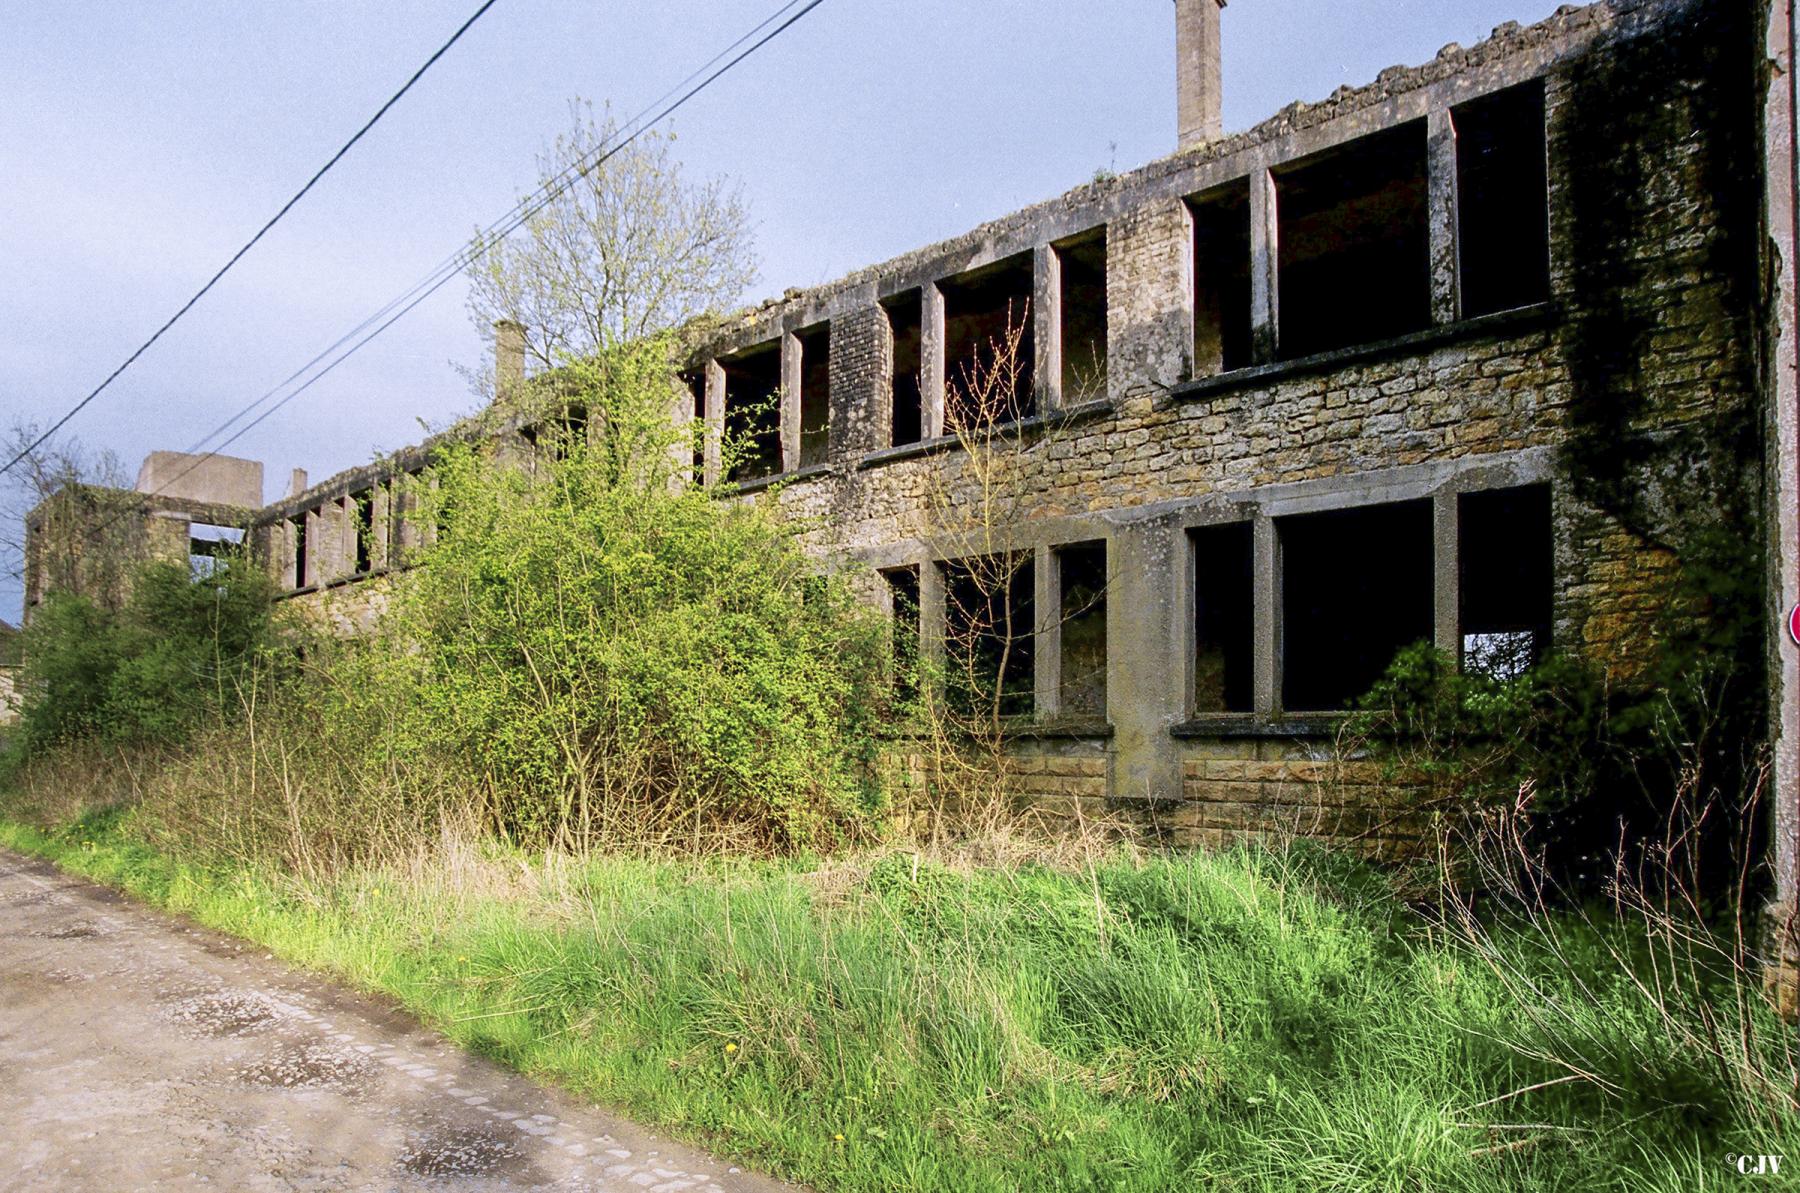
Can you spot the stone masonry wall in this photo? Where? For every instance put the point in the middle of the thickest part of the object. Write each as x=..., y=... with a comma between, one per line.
x=1627, y=392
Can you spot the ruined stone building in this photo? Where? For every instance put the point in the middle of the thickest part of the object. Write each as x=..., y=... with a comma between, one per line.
x=1467, y=355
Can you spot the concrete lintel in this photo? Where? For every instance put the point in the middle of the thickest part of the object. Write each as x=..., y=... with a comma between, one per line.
x=932, y=363
x=1046, y=316
x=1265, y=267
x=1441, y=214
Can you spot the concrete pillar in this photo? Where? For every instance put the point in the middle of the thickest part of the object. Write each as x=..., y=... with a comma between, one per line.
x=1198, y=83
x=1446, y=577
x=317, y=547
x=1781, y=148
x=1265, y=269
x=931, y=361
x=1265, y=614
x=1046, y=603
x=1145, y=691
x=281, y=548
x=792, y=370
x=1441, y=213
x=403, y=508
x=715, y=422
x=381, y=518
x=343, y=538
x=1046, y=329
x=1149, y=298
x=931, y=612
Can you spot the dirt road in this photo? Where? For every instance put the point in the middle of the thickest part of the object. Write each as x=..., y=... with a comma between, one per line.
x=139, y=1052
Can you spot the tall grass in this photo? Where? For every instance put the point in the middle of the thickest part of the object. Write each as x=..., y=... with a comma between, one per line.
x=1249, y=1020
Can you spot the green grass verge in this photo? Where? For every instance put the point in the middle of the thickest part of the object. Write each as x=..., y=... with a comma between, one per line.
x=1242, y=1021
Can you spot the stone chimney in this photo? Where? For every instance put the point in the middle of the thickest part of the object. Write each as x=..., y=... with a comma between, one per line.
x=1197, y=85
x=509, y=359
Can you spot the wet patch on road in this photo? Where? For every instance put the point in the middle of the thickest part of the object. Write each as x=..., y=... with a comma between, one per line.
x=308, y=1066
x=463, y=1151
x=227, y=1013
x=80, y=930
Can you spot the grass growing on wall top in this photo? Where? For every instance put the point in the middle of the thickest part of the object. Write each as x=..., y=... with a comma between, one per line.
x=1245, y=1021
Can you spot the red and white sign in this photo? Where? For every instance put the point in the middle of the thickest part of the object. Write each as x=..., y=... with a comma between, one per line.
x=1794, y=624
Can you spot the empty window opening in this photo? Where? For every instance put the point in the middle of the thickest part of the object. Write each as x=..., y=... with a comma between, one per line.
x=1502, y=200
x=988, y=638
x=903, y=595
x=1356, y=587
x=207, y=544
x=1355, y=256
x=988, y=345
x=362, y=511
x=753, y=412
x=1084, y=317
x=1505, y=581
x=297, y=536
x=556, y=437
x=905, y=315
x=1083, y=575
x=1224, y=642
x=815, y=395
x=1222, y=278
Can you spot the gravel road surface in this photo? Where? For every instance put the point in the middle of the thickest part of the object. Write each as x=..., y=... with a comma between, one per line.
x=140, y=1052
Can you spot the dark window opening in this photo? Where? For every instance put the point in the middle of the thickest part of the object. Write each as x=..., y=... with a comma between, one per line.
x=207, y=544
x=1084, y=318
x=1222, y=279
x=1224, y=639
x=1355, y=255
x=297, y=528
x=988, y=639
x=815, y=395
x=905, y=321
x=556, y=437
x=1083, y=576
x=988, y=345
x=1356, y=587
x=362, y=510
x=1505, y=582
x=753, y=413
x=1503, y=200
x=903, y=593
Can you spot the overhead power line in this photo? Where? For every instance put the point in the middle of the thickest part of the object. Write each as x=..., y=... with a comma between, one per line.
x=546, y=192
x=251, y=243
x=543, y=196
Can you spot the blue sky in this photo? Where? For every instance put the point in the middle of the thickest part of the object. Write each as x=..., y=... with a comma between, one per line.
x=143, y=143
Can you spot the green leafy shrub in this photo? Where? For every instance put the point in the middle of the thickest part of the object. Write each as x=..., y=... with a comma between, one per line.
x=176, y=651
x=617, y=654
x=1475, y=739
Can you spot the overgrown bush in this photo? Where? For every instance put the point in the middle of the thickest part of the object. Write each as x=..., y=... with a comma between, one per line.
x=173, y=655
x=591, y=651
x=615, y=655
